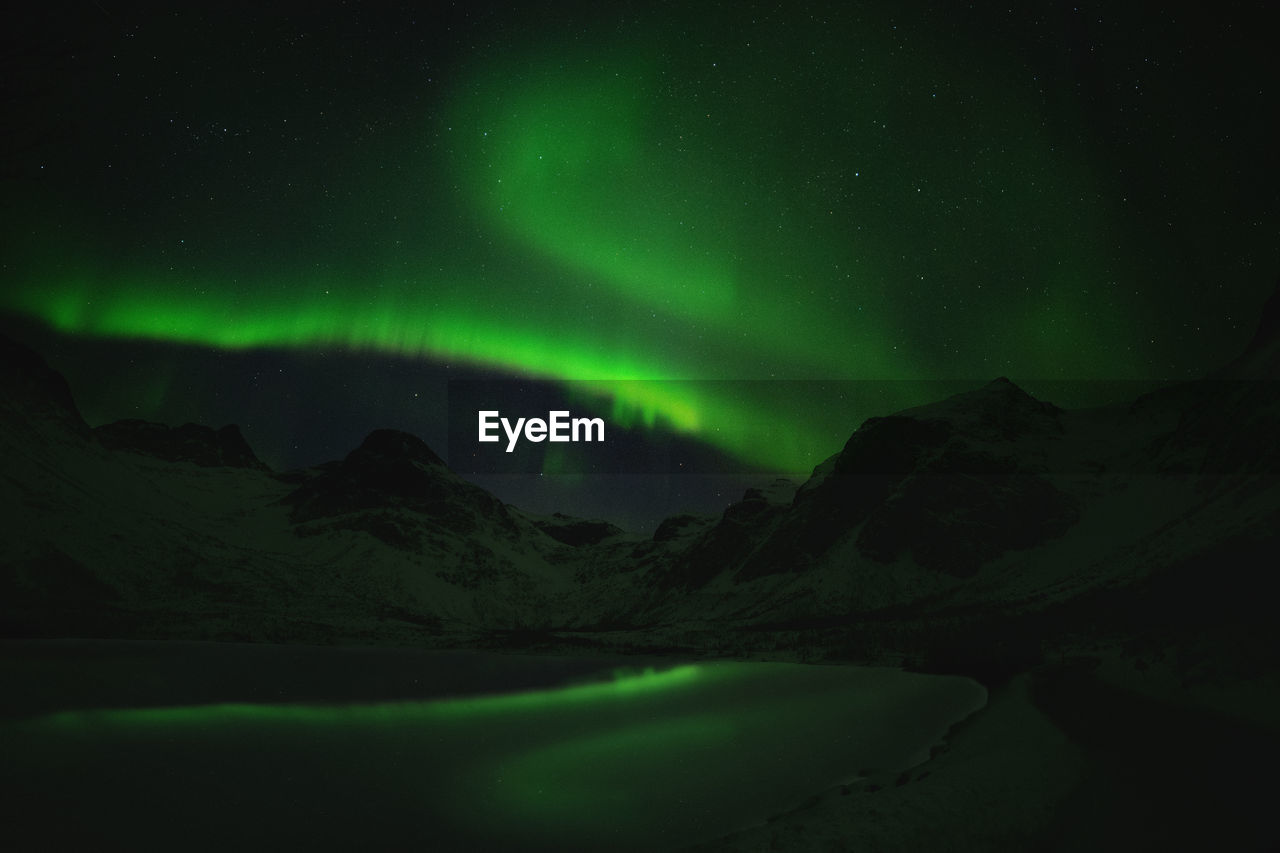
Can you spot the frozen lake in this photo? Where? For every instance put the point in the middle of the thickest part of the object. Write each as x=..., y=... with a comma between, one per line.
x=209, y=745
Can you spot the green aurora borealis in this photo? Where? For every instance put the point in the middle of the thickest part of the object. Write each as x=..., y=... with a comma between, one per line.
x=701, y=193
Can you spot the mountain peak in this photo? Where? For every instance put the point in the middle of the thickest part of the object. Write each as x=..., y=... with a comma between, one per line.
x=999, y=410
x=35, y=391
x=394, y=444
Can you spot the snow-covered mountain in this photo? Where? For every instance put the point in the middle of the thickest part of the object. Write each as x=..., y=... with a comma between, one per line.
x=984, y=507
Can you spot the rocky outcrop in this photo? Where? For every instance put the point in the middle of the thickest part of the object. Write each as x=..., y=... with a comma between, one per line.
x=678, y=526
x=576, y=532
x=394, y=470
x=943, y=484
x=963, y=509
x=194, y=443
x=728, y=543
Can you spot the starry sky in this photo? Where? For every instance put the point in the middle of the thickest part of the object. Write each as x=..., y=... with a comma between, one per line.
x=305, y=219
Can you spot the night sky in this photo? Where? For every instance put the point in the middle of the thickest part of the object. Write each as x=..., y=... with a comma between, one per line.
x=304, y=220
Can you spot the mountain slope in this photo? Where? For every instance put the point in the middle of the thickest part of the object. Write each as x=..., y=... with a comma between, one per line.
x=987, y=506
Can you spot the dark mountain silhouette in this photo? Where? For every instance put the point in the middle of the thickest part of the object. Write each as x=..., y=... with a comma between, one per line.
x=990, y=498
x=193, y=443
x=36, y=396
x=394, y=470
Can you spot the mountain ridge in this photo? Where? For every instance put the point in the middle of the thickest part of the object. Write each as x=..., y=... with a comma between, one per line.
x=989, y=500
